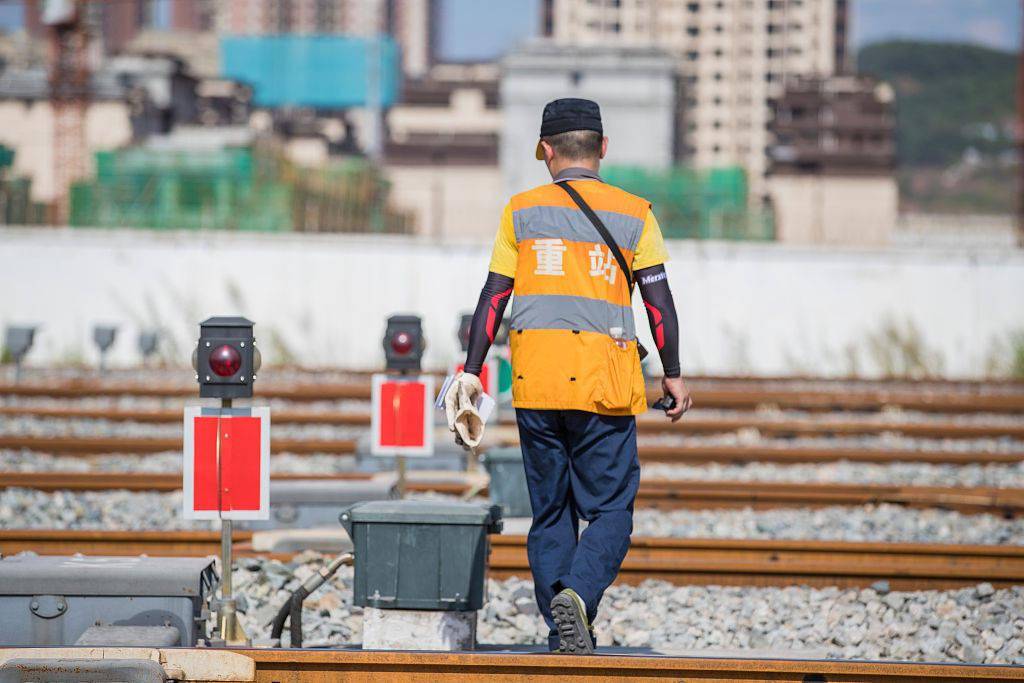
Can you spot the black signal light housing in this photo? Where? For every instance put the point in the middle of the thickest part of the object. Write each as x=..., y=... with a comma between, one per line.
x=404, y=343
x=226, y=358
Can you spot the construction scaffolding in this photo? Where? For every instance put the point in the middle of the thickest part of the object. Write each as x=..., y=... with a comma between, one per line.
x=233, y=189
x=697, y=204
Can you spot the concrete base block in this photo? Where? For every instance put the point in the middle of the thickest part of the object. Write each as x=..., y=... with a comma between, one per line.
x=520, y=526
x=400, y=629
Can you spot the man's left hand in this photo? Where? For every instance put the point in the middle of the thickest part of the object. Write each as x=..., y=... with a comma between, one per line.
x=674, y=387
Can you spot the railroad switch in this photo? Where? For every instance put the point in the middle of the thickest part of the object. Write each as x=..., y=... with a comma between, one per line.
x=50, y=600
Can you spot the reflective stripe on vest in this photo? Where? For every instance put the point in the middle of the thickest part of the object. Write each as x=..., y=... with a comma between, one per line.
x=554, y=312
x=541, y=222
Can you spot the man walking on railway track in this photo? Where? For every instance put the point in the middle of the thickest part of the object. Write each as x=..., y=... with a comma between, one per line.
x=570, y=252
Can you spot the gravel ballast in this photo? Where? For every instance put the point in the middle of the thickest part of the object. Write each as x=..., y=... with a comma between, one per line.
x=27, y=508
x=839, y=472
x=978, y=624
x=846, y=472
x=28, y=425
x=108, y=429
x=166, y=463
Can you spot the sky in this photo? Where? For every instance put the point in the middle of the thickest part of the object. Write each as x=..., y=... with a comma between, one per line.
x=996, y=23
x=484, y=29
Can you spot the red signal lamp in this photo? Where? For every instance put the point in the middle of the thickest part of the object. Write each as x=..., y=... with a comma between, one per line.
x=225, y=360
x=402, y=343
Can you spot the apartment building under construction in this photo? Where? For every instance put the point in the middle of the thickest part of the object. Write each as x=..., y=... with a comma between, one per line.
x=734, y=58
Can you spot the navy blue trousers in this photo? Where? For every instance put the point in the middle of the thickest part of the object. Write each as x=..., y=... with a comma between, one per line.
x=579, y=465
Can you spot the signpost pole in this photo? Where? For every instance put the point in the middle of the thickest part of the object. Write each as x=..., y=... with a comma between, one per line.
x=229, y=628
x=399, y=458
x=400, y=465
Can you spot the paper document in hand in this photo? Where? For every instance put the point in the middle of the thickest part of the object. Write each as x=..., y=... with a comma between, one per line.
x=485, y=406
x=439, y=403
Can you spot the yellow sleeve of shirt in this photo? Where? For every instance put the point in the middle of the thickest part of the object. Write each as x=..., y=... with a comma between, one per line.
x=650, y=250
x=506, y=251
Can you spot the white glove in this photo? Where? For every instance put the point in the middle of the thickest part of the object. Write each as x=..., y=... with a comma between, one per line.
x=460, y=408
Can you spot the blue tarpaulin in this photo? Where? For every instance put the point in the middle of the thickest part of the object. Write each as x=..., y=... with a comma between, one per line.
x=322, y=71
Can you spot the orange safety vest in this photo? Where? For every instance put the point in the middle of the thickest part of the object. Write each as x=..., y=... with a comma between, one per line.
x=570, y=297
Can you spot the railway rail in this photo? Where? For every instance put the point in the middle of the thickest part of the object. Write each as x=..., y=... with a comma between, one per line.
x=495, y=663
x=691, y=425
x=731, y=397
x=910, y=566
x=313, y=666
x=682, y=454
x=654, y=493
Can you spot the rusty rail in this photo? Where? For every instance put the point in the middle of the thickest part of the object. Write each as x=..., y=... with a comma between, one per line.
x=691, y=425
x=654, y=493
x=690, y=454
x=731, y=397
x=314, y=666
x=680, y=561
x=744, y=562
x=684, y=454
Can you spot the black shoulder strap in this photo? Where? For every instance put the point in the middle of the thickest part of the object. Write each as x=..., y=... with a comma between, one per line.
x=605, y=235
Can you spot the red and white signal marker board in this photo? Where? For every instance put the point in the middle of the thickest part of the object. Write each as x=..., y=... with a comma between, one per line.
x=226, y=465
x=402, y=421
x=488, y=375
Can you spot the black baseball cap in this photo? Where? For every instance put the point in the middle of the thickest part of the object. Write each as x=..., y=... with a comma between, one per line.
x=568, y=113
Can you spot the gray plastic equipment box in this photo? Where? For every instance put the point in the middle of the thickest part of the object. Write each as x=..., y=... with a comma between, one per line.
x=508, y=481
x=422, y=555
x=52, y=600
x=307, y=503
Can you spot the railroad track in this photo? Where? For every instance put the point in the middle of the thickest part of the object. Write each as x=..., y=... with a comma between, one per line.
x=654, y=493
x=681, y=561
x=80, y=445
x=734, y=397
x=682, y=454
x=314, y=666
x=784, y=428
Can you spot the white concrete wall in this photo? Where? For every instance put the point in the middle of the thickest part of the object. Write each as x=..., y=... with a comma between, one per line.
x=763, y=308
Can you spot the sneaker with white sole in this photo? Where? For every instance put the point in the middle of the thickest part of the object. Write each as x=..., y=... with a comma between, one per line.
x=570, y=615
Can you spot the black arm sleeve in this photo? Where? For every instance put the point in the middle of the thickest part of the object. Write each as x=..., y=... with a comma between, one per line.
x=489, y=310
x=661, y=313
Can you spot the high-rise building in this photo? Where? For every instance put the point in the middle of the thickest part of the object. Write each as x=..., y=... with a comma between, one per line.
x=412, y=23
x=733, y=57
x=831, y=177
x=115, y=24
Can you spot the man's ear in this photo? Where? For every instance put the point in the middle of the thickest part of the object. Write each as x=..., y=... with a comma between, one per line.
x=549, y=151
x=604, y=146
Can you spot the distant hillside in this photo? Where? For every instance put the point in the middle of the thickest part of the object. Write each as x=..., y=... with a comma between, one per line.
x=950, y=97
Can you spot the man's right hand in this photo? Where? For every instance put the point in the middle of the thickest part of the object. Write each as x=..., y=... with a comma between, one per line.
x=674, y=387
x=460, y=409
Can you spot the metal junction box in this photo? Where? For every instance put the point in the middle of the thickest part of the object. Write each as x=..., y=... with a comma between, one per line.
x=420, y=555
x=51, y=600
x=507, y=487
